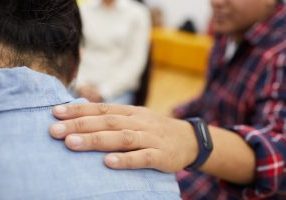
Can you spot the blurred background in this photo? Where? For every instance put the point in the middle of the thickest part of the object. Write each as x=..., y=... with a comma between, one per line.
x=176, y=12
x=180, y=43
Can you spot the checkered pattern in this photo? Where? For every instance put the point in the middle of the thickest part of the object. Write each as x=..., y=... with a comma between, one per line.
x=247, y=95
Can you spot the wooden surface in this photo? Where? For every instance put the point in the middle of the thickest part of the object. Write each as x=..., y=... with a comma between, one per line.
x=180, y=61
x=170, y=87
x=181, y=50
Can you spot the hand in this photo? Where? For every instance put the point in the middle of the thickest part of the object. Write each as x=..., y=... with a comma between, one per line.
x=90, y=92
x=143, y=138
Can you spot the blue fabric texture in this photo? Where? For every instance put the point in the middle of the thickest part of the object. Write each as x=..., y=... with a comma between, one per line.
x=35, y=166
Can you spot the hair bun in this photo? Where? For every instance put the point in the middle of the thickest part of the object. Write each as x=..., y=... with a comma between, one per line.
x=38, y=23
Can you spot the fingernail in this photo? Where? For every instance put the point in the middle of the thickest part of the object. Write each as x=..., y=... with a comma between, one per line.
x=60, y=109
x=59, y=129
x=75, y=141
x=112, y=160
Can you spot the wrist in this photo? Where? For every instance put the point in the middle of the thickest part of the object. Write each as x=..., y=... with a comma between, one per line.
x=193, y=148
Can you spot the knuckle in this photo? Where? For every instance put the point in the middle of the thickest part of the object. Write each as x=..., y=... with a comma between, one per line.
x=129, y=162
x=77, y=109
x=79, y=125
x=95, y=140
x=148, y=158
x=130, y=110
x=140, y=139
x=127, y=138
x=111, y=122
x=104, y=108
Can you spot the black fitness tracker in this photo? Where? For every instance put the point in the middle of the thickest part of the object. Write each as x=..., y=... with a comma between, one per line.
x=204, y=142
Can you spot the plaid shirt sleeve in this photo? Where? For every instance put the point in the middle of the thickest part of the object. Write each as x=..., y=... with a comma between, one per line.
x=267, y=134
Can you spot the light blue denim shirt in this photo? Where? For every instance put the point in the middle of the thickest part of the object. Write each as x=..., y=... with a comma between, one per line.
x=33, y=166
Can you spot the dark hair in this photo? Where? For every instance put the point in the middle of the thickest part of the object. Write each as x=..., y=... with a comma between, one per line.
x=48, y=28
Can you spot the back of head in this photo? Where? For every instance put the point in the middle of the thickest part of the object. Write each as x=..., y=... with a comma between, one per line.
x=40, y=32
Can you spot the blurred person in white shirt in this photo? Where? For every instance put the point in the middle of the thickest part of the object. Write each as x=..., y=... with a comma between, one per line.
x=115, y=50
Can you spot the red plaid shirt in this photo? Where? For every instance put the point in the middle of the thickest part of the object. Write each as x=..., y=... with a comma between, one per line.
x=248, y=96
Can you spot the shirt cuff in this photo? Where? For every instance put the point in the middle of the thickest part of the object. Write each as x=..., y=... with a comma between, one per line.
x=269, y=162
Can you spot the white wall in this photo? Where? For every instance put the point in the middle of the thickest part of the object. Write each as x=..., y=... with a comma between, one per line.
x=176, y=10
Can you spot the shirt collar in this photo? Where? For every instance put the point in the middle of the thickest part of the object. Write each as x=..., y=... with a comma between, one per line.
x=263, y=30
x=21, y=87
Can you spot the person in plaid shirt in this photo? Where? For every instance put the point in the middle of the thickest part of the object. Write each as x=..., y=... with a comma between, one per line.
x=246, y=93
x=244, y=104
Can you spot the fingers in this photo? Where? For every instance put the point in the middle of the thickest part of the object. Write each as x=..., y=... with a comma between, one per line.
x=124, y=140
x=94, y=124
x=146, y=158
x=78, y=110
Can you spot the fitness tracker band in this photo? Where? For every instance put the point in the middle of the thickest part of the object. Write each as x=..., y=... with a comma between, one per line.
x=204, y=142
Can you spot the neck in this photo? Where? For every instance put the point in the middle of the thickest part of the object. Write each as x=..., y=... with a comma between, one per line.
x=9, y=58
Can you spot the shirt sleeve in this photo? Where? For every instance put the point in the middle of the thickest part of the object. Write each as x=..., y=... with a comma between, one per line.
x=133, y=62
x=267, y=132
x=188, y=109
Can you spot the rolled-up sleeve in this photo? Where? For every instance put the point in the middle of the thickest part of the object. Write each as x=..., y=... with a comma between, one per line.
x=270, y=151
x=266, y=132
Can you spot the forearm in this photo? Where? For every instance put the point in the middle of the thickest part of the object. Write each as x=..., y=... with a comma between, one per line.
x=232, y=158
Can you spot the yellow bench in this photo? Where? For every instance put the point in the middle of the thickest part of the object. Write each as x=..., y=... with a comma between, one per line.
x=181, y=50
